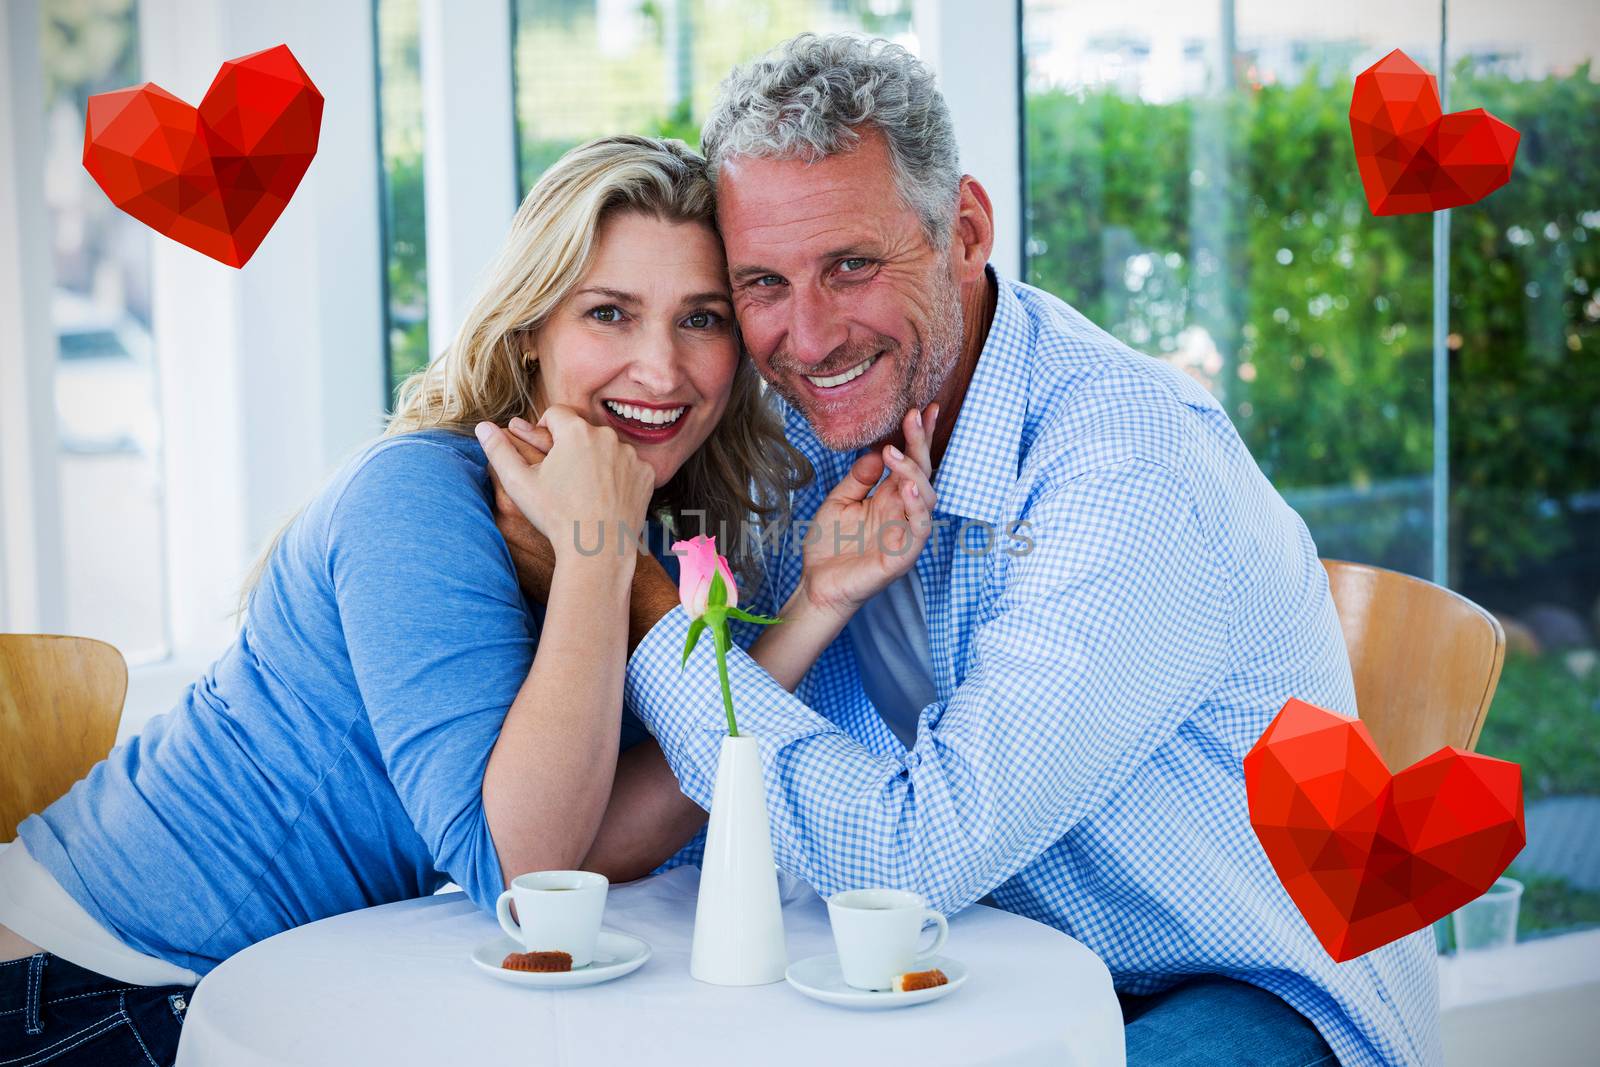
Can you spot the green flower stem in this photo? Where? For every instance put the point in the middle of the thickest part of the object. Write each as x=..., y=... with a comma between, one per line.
x=719, y=629
x=715, y=618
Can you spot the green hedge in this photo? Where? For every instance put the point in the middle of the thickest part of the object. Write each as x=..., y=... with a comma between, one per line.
x=1244, y=216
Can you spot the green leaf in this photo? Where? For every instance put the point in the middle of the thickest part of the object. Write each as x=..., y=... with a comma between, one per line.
x=695, y=629
x=718, y=597
x=764, y=620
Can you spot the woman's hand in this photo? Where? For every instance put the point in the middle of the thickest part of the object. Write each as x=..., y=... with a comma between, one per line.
x=590, y=480
x=860, y=543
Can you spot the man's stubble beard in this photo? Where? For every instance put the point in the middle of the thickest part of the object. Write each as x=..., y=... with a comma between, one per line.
x=933, y=357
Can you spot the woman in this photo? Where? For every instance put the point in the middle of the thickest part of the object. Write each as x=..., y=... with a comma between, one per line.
x=393, y=713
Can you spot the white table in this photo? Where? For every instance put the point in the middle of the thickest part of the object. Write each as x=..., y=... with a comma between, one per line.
x=395, y=985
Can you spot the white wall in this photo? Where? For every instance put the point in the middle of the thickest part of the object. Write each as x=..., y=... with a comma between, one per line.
x=272, y=374
x=1531, y=1005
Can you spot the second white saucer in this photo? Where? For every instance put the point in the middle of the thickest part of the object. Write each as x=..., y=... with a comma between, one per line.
x=820, y=978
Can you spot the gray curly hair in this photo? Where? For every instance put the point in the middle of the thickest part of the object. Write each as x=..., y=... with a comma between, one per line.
x=807, y=98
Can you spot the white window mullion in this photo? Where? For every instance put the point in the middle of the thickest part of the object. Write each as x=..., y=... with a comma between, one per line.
x=32, y=578
x=469, y=150
x=975, y=51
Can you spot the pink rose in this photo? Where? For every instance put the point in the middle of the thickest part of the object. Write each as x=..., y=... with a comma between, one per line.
x=698, y=569
x=698, y=564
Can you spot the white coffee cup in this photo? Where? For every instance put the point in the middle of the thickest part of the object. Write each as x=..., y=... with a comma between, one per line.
x=559, y=911
x=876, y=932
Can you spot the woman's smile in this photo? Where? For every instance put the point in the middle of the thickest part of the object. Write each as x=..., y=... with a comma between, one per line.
x=643, y=423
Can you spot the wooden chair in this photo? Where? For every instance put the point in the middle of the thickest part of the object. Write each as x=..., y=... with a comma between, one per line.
x=1426, y=660
x=60, y=704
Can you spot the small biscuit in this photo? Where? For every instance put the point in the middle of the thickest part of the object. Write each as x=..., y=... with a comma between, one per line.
x=541, y=962
x=915, y=980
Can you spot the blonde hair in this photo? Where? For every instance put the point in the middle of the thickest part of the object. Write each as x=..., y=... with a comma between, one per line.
x=745, y=470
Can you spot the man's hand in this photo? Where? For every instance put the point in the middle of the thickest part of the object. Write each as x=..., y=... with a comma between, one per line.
x=653, y=595
x=531, y=552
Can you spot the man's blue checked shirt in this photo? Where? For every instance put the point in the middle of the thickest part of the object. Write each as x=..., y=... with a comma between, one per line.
x=1097, y=688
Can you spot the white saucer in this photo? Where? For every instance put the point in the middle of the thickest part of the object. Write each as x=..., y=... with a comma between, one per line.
x=615, y=954
x=819, y=978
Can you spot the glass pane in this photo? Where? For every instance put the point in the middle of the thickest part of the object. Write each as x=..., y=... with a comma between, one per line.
x=585, y=68
x=1190, y=188
x=405, y=235
x=1525, y=426
x=105, y=378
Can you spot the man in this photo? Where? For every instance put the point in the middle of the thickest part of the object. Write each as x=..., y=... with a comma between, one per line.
x=1054, y=713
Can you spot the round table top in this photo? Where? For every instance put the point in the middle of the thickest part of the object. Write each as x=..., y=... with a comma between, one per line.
x=396, y=985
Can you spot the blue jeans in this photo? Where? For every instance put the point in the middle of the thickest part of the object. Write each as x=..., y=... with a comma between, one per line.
x=56, y=1012
x=1212, y=1022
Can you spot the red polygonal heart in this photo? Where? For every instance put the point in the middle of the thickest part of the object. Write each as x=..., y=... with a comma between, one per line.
x=1367, y=856
x=1412, y=158
x=214, y=178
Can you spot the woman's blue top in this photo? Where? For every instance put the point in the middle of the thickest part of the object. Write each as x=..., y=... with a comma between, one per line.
x=333, y=757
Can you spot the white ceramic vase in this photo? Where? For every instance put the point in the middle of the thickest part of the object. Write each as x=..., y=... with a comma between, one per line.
x=738, y=919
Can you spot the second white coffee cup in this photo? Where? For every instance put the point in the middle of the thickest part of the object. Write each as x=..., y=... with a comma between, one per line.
x=876, y=932
x=557, y=911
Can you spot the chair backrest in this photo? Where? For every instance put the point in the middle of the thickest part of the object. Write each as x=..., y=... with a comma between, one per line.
x=60, y=704
x=1426, y=660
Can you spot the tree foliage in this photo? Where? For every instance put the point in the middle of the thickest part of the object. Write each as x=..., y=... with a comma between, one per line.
x=1232, y=236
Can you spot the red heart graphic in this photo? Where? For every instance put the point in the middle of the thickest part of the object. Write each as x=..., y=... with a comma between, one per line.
x=216, y=178
x=1368, y=857
x=1414, y=159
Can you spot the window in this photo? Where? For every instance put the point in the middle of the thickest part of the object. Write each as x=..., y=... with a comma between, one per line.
x=1185, y=191
x=107, y=407
x=404, y=231
x=1191, y=187
x=583, y=70
x=1524, y=345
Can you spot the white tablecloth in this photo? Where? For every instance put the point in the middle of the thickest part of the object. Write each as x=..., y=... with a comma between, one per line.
x=395, y=985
